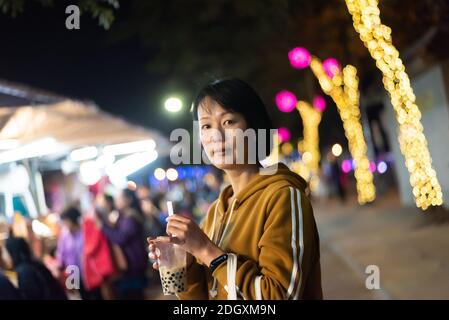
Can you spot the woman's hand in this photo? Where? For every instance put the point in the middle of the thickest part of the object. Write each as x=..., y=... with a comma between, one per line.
x=154, y=254
x=186, y=233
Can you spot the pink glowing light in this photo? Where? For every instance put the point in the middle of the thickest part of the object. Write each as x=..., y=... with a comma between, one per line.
x=299, y=58
x=319, y=103
x=286, y=101
x=284, y=134
x=372, y=166
x=346, y=166
x=331, y=67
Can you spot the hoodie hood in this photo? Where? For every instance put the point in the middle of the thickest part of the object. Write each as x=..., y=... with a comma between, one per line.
x=283, y=176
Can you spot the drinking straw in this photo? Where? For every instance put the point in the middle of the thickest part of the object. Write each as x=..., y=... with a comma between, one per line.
x=170, y=208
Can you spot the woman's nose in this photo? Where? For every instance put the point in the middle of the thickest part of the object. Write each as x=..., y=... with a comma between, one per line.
x=217, y=135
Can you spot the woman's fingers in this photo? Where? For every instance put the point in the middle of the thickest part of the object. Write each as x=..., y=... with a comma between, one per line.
x=176, y=240
x=163, y=239
x=155, y=265
x=177, y=236
x=177, y=224
x=152, y=256
x=150, y=240
x=179, y=218
x=175, y=231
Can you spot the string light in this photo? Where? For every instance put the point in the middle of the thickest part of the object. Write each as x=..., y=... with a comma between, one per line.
x=311, y=119
x=343, y=89
x=412, y=141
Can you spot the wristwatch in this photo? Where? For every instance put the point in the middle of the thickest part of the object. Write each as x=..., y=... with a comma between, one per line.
x=217, y=261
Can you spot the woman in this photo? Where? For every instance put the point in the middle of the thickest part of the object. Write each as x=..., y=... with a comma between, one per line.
x=127, y=233
x=69, y=250
x=261, y=231
x=35, y=280
x=98, y=262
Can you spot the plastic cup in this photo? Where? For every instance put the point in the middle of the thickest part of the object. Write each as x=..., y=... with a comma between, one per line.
x=172, y=268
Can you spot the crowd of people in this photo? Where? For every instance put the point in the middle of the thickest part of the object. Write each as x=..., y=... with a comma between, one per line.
x=101, y=253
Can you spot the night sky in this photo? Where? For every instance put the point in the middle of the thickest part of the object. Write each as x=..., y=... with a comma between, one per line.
x=86, y=64
x=37, y=50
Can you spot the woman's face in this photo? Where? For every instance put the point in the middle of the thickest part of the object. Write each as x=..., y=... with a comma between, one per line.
x=214, y=121
x=100, y=200
x=121, y=201
x=72, y=227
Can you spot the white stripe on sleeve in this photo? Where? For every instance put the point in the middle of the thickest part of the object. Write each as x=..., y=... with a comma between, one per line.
x=294, y=255
x=301, y=243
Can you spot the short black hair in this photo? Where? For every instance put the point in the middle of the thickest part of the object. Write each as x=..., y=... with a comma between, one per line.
x=134, y=200
x=19, y=250
x=237, y=95
x=109, y=200
x=72, y=214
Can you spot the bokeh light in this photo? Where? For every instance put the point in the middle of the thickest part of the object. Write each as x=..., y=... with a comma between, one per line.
x=382, y=167
x=284, y=134
x=172, y=174
x=159, y=174
x=337, y=150
x=319, y=103
x=346, y=166
x=299, y=58
x=286, y=149
x=173, y=104
x=286, y=101
x=307, y=157
x=372, y=166
x=331, y=67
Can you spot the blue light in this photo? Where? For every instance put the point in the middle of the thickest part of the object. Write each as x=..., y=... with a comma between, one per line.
x=382, y=167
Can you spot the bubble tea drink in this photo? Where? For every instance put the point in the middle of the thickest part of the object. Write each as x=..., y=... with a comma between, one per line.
x=172, y=268
x=172, y=264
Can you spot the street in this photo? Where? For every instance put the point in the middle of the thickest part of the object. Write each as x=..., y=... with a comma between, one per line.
x=410, y=252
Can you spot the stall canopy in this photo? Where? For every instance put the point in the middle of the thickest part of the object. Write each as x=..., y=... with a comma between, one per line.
x=70, y=122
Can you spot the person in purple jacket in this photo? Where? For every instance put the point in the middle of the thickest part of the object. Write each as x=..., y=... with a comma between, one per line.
x=69, y=251
x=127, y=232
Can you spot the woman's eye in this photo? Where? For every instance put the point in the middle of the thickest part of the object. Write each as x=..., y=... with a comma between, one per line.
x=228, y=122
x=205, y=126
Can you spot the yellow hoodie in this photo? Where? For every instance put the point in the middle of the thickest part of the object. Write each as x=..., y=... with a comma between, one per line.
x=271, y=230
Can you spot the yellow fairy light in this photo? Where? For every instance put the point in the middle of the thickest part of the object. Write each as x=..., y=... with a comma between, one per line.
x=311, y=119
x=377, y=38
x=343, y=89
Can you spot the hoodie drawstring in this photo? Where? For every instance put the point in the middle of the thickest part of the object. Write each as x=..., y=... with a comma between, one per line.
x=227, y=224
x=213, y=292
